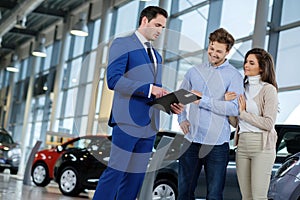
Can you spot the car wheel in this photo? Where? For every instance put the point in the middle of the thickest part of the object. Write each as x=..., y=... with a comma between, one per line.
x=164, y=189
x=69, y=182
x=40, y=174
x=14, y=171
x=296, y=193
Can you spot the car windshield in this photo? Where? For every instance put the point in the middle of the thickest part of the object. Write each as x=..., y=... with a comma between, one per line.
x=5, y=139
x=79, y=144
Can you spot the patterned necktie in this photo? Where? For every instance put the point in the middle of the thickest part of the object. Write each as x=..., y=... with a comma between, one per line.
x=149, y=52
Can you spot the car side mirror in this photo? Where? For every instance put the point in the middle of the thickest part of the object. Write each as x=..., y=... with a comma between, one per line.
x=59, y=148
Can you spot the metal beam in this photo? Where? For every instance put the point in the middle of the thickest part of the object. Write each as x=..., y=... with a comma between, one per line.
x=290, y=88
x=26, y=32
x=40, y=10
x=190, y=9
x=50, y=12
x=7, y=4
x=24, y=8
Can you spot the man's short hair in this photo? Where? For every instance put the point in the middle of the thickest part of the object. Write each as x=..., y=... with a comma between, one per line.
x=151, y=12
x=222, y=36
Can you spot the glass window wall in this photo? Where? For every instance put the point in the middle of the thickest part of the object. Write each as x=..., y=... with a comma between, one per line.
x=290, y=11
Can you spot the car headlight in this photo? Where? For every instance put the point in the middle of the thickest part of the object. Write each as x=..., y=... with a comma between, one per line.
x=14, y=151
x=286, y=167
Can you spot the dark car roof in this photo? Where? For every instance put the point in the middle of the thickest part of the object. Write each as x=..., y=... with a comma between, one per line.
x=86, y=136
x=288, y=126
x=3, y=130
x=5, y=137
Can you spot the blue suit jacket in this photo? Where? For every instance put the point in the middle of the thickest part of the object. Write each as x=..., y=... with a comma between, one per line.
x=130, y=73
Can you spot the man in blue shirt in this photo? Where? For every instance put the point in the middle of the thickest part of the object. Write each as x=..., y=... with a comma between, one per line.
x=205, y=124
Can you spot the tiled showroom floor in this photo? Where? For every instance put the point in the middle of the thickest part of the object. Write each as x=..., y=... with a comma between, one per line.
x=11, y=188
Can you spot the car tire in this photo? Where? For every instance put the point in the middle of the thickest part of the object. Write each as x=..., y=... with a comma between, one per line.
x=40, y=174
x=69, y=183
x=1, y=169
x=14, y=171
x=165, y=189
x=296, y=194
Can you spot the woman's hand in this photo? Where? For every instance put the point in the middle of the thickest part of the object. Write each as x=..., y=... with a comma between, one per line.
x=242, y=103
x=230, y=96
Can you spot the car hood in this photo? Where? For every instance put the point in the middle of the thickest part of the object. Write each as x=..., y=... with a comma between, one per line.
x=45, y=151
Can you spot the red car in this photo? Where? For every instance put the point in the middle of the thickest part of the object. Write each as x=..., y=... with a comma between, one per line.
x=44, y=161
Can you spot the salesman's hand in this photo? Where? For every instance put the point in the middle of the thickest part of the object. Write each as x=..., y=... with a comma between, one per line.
x=198, y=94
x=177, y=108
x=185, y=126
x=158, y=91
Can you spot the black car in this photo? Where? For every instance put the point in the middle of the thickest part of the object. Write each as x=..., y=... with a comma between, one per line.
x=80, y=168
x=285, y=185
x=288, y=143
x=10, y=153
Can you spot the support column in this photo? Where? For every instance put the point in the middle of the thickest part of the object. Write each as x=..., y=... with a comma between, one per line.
x=9, y=100
x=213, y=19
x=106, y=94
x=260, y=27
x=59, y=74
x=25, y=133
x=274, y=33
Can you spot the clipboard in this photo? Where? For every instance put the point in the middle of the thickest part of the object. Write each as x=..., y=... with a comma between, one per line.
x=180, y=96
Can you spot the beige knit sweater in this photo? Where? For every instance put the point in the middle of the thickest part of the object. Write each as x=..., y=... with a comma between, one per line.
x=267, y=103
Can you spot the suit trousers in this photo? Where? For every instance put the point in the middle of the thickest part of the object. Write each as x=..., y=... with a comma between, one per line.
x=129, y=157
x=254, y=166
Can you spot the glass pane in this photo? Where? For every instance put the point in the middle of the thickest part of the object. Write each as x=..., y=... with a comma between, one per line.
x=87, y=99
x=169, y=76
x=83, y=126
x=193, y=30
x=127, y=17
x=100, y=85
x=75, y=72
x=289, y=107
x=38, y=61
x=239, y=23
x=48, y=58
x=71, y=102
x=91, y=67
x=1, y=78
x=290, y=11
x=96, y=34
x=24, y=67
x=237, y=53
x=37, y=133
x=40, y=102
x=184, y=4
x=67, y=126
x=78, y=46
x=59, y=104
x=289, y=47
x=184, y=66
x=151, y=3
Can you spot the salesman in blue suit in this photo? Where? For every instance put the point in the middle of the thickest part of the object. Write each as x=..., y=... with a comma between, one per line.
x=134, y=73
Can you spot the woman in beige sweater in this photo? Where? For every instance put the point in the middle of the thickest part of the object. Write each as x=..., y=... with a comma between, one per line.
x=256, y=136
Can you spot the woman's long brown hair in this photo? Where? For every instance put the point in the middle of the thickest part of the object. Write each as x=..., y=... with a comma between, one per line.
x=266, y=64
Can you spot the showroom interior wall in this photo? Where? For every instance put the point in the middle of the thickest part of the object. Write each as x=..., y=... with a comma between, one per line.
x=65, y=93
